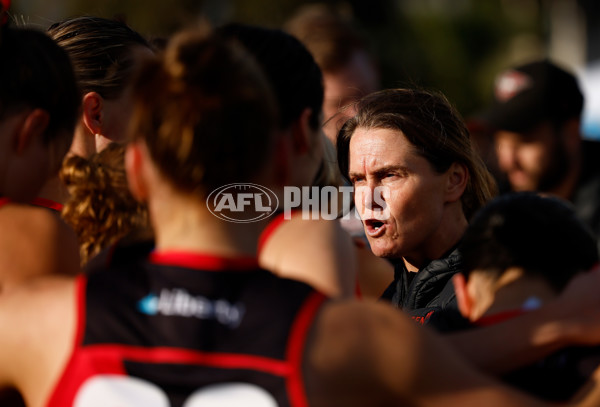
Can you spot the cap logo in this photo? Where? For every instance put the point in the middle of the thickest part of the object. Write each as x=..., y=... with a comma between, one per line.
x=511, y=83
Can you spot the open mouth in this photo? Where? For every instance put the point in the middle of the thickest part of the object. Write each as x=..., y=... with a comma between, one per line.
x=377, y=224
x=374, y=227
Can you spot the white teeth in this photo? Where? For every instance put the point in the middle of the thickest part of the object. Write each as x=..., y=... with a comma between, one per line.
x=377, y=225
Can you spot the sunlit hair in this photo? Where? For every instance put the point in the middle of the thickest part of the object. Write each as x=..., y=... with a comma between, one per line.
x=36, y=73
x=101, y=51
x=205, y=112
x=329, y=172
x=434, y=128
x=100, y=209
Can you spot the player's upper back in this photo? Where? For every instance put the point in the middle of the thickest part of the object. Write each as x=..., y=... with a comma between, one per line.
x=180, y=328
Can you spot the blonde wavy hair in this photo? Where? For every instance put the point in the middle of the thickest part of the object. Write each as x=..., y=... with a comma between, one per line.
x=100, y=209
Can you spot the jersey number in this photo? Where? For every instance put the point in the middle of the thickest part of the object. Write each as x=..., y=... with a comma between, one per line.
x=126, y=391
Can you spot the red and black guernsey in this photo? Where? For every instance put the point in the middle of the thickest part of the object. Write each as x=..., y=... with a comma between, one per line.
x=272, y=226
x=186, y=329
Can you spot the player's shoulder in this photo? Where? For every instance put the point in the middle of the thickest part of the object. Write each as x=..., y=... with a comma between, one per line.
x=26, y=217
x=35, y=241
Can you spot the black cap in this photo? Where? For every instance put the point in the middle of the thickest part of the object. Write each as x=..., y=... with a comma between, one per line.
x=528, y=94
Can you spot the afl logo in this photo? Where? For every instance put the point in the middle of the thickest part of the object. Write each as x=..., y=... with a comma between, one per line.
x=242, y=203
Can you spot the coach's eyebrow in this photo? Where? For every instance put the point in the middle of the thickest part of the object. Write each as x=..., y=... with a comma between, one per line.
x=355, y=174
x=391, y=168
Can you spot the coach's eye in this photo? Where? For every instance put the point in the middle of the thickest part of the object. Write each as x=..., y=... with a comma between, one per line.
x=356, y=180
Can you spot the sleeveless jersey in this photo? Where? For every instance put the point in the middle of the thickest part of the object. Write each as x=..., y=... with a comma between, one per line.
x=45, y=203
x=268, y=231
x=182, y=329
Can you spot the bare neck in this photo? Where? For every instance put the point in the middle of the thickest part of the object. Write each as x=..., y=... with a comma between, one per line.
x=183, y=222
x=84, y=142
x=514, y=295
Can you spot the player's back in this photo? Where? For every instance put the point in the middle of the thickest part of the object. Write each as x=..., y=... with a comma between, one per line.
x=187, y=329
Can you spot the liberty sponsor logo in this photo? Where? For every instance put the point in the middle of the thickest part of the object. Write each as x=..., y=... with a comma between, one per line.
x=178, y=302
x=242, y=203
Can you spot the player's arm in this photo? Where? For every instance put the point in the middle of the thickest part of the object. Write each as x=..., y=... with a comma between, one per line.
x=572, y=319
x=38, y=328
x=369, y=354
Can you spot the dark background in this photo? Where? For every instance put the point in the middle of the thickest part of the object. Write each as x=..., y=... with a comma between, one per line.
x=456, y=46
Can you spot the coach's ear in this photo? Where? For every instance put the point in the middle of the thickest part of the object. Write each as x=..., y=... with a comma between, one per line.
x=464, y=301
x=457, y=179
x=136, y=159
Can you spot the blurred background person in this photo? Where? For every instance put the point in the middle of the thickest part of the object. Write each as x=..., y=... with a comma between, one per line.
x=536, y=122
x=409, y=38
x=349, y=69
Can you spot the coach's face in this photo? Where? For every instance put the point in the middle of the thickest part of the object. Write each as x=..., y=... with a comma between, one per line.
x=405, y=218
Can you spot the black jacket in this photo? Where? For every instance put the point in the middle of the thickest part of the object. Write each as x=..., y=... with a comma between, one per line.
x=428, y=295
